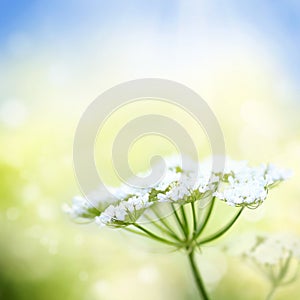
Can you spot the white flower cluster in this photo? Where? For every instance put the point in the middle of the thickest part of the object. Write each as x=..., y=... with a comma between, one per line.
x=80, y=207
x=90, y=206
x=126, y=212
x=248, y=186
x=187, y=188
x=274, y=249
x=238, y=185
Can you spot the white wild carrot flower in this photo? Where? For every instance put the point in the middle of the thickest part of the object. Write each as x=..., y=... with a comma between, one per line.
x=179, y=188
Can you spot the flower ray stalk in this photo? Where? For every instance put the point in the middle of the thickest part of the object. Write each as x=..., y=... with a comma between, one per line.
x=206, y=217
x=185, y=221
x=155, y=237
x=165, y=223
x=222, y=230
x=194, y=219
x=179, y=223
x=168, y=232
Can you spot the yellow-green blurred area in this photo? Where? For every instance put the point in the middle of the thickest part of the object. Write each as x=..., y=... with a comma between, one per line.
x=56, y=58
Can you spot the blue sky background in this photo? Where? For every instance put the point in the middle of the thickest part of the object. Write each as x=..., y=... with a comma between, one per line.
x=68, y=22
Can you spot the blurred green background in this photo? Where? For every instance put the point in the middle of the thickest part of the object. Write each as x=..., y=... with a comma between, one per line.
x=56, y=57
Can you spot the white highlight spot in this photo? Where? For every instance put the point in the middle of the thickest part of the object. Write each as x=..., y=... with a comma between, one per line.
x=13, y=113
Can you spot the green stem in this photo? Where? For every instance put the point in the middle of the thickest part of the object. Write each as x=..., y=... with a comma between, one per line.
x=162, y=229
x=221, y=231
x=268, y=271
x=293, y=278
x=285, y=268
x=136, y=232
x=203, y=225
x=279, y=280
x=194, y=218
x=154, y=236
x=271, y=293
x=181, y=226
x=165, y=223
x=197, y=277
x=185, y=221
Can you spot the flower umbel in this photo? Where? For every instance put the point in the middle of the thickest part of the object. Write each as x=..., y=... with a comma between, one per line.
x=277, y=257
x=189, y=195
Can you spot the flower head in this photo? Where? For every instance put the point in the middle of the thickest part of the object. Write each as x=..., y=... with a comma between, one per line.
x=248, y=186
x=125, y=212
x=237, y=185
x=273, y=249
